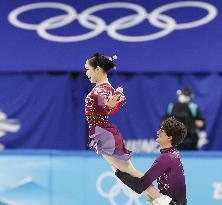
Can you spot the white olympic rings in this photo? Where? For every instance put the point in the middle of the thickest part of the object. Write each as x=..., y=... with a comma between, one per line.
x=117, y=189
x=97, y=25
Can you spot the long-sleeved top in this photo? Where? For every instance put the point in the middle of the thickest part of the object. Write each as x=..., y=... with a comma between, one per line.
x=95, y=102
x=167, y=169
x=95, y=105
x=103, y=134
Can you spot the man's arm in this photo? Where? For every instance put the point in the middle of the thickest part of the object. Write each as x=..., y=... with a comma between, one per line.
x=141, y=184
x=135, y=183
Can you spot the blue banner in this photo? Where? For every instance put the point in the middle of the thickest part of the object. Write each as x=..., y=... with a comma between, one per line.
x=47, y=110
x=157, y=36
x=55, y=178
x=40, y=111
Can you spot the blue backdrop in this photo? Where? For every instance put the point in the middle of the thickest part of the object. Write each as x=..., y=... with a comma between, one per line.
x=180, y=36
x=47, y=110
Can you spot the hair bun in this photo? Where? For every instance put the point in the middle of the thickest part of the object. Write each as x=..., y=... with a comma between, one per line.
x=105, y=62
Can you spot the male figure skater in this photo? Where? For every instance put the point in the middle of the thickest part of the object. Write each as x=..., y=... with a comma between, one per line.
x=167, y=168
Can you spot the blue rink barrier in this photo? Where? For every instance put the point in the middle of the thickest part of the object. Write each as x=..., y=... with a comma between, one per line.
x=84, y=178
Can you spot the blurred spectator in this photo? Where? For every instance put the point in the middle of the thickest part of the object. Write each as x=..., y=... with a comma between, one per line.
x=187, y=112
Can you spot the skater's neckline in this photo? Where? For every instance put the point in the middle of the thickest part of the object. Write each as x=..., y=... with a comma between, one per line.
x=167, y=150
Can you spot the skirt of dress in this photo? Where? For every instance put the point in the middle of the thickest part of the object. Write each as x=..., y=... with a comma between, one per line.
x=109, y=141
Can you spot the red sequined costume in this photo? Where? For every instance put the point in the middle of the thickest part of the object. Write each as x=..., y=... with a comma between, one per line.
x=102, y=133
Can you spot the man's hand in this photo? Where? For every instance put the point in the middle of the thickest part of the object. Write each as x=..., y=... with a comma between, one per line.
x=135, y=183
x=199, y=123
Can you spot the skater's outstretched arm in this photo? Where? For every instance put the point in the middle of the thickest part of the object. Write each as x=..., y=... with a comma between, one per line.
x=140, y=184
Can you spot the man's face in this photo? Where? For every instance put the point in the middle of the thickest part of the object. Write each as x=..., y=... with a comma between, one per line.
x=162, y=138
x=184, y=98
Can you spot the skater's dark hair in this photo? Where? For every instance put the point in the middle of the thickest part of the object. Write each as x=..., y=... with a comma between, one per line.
x=105, y=62
x=176, y=129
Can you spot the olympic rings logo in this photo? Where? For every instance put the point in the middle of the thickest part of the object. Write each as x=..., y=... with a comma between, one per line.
x=116, y=190
x=165, y=23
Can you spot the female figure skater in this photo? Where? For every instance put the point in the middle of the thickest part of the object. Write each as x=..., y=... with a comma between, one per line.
x=101, y=102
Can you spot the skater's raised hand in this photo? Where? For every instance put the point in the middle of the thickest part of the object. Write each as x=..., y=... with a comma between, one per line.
x=119, y=89
x=114, y=100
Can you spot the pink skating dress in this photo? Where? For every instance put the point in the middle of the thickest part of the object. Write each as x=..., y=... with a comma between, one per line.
x=102, y=133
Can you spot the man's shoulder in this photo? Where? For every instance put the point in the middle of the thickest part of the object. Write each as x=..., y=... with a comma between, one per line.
x=170, y=156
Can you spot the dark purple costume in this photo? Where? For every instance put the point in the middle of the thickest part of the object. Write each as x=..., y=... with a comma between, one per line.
x=102, y=133
x=168, y=171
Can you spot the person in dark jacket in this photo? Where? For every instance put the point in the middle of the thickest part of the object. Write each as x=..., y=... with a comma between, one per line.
x=187, y=112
